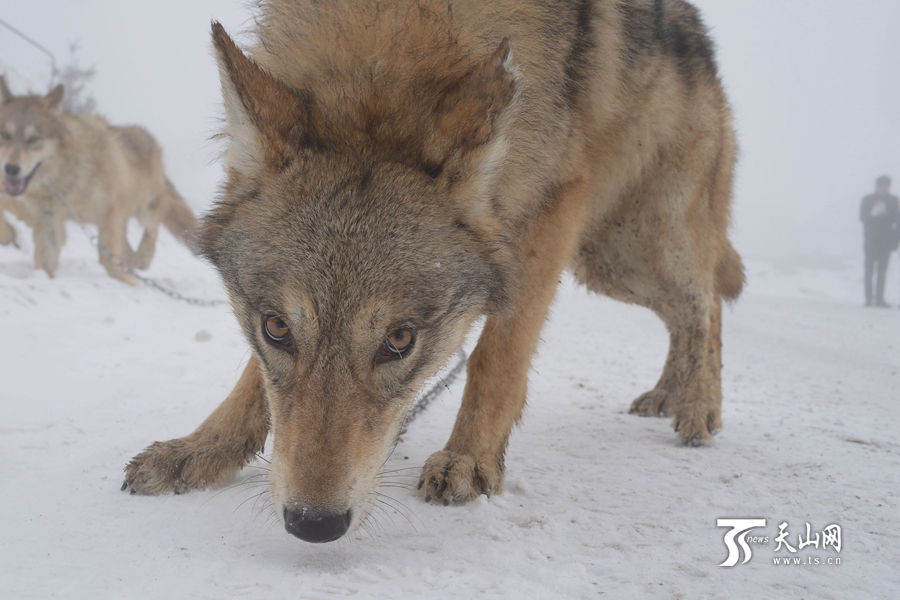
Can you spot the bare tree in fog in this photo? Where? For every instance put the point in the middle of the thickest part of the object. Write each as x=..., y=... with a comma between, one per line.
x=76, y=79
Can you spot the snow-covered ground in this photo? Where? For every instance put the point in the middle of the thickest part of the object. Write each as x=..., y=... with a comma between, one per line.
x=599, y=503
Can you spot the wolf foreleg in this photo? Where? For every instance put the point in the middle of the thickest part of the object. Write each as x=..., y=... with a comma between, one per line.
x=472, y=462
x=7, y=232
x=226, y=441
x=49, y=236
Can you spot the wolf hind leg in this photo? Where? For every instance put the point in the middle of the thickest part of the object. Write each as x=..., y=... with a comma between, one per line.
x=226, y=442
x=149, y=216
x=143, y=256
x=115, y=254
x=689, y=389
x=671, y=273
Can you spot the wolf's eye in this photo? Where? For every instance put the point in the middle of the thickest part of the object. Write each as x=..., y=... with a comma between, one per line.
x=33, y=140
x=5, y=136
x=277, y=332
x=397, y=345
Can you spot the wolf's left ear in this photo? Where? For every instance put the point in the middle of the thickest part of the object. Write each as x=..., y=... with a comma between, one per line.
x=5, y=94
x=55, y=97
x=265, y=117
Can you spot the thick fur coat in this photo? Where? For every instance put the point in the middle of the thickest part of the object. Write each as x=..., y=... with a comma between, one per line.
x=397, y=170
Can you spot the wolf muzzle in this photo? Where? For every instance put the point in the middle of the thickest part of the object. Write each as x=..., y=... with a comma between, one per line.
x=14, y=183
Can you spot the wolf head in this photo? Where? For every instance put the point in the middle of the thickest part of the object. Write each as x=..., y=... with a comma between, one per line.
x=29, y=135
x=358, y=246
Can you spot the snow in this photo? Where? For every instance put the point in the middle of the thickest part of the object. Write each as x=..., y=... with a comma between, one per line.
x=599, y=503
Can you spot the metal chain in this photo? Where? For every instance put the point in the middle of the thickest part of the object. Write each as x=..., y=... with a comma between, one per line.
x=53, y=70
x=434, y=391
x=119, y=262
x=417, y=408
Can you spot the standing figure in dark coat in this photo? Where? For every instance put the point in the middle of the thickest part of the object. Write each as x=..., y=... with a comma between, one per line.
x=880, y=214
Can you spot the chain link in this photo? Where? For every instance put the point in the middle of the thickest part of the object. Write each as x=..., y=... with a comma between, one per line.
x=119, y=262
x=421, y=404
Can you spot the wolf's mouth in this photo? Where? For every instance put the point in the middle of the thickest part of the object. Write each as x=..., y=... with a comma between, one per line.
x=16, y=185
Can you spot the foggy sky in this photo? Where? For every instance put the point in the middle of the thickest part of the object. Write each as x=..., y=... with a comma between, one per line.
x=815, y=87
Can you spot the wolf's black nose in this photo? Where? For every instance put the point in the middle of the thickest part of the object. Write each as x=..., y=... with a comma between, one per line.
x=12, y=170
x=315, y=527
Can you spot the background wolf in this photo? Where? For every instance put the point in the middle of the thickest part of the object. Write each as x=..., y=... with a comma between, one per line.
x=397, y=170
x=104, y=174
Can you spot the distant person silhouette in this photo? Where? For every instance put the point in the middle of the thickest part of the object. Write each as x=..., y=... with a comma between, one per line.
x=880, y=214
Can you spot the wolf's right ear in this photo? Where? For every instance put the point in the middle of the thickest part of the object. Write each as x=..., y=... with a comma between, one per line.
x=266, y=118
x=55, y=97
x=5, y=94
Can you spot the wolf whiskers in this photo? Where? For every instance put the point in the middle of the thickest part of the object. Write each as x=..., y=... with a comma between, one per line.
x=261, y=500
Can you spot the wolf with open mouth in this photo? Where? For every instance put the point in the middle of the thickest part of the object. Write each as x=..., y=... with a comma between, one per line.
x=58, y=166
x=396, y=170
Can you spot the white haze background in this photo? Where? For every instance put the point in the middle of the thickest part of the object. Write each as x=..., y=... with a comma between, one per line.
x=815, y=87
x=598, y=502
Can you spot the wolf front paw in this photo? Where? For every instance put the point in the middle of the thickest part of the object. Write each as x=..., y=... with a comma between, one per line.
x=451, y=477
x=183, y=464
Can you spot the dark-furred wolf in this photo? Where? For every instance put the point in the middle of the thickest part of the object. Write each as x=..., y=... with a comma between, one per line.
x=58, y=166
x=398, y=169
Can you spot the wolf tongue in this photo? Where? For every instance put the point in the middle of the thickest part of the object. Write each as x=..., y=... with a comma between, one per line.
x=14, y=186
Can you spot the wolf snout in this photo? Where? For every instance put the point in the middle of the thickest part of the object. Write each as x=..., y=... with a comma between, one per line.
x=316, y=527
x=15, y=185
x=15, y=181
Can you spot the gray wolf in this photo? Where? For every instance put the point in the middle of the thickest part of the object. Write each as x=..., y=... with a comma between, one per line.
x=105, y=175
x=396, y=170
